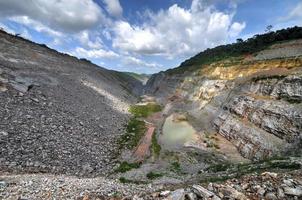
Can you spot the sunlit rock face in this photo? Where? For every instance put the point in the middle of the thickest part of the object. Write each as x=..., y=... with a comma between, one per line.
x=254, y=102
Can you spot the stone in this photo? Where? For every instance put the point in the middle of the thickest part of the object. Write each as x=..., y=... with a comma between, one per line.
x=293, y=191
x=177, y=195
x=280, y=193
x=191, y=196
x=210, y=187
x=229, y=192
x=165, y=193
x=202, y=192
x=4, y=133
x=288, y=182
x=270, y=174
x=136, y=197
x=3, y=88
x=3, y=184
x=261, y=191
x=270, y=196
x=35, y=100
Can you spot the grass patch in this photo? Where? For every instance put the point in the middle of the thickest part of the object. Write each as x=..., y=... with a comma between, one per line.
x=125, y=166
x=156, y=148
x=255, y=167
x=219, y=167
x=125, y=180
x=175, y=167
x=266, y=77
x=291, y=100
x=135, y=131
x=224, y=171
x=144, y=110
x=154, y=175
x=215, y=179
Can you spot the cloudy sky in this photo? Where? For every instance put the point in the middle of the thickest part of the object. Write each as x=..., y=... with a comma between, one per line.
x=143, y=36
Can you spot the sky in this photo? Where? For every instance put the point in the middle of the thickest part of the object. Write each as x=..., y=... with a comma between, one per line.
x=143, y=36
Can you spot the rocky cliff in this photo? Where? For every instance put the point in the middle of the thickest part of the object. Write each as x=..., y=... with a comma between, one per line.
x=253, y=101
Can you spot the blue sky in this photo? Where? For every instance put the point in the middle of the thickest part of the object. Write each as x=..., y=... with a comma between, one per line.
x=144, y=36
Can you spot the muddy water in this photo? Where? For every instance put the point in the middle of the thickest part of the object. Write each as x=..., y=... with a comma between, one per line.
x=176, y=134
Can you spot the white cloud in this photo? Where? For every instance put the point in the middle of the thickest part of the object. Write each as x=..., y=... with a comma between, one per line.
x=295, y=14
x=7, y=29
x=36, y=26
x=177, y=31
x=135, y=62
x=67, y=15
x=297, y=11
x=23, y=32
x=85, y=40
x=114, y=8
x=236, y=29
x=95, y=53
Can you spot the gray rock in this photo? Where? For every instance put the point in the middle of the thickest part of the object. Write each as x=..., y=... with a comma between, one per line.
x=202, y=192
x=164, y=193
x=270, y=196
x=3, y=133
x=293, y=191
x=280, y=193
x=261, y=191
x=177, y=195
x=191, y=196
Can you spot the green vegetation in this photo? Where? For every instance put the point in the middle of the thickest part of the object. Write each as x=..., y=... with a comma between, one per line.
x=239, y=49
x=140, y=77
x=125, y=166
x=254, y=167
x=135, y=131
x=215, y=179
x=175, y=167
x=266, y=77
x=155, y=146
x=219, y=167
x=125, y=180
x=144, y=110
x=210, y=141
x=291, y=100
x=117, y=195
x=130, y=76
x=154, y=175
x=224, y=171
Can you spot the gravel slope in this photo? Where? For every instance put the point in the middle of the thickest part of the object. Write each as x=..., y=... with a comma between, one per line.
x=58, y=114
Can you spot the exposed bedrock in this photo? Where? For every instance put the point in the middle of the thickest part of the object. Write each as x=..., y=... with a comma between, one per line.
x=251, y=142
x=276, y=117
x=288, y=88
x=264, y=118
x=260, y=113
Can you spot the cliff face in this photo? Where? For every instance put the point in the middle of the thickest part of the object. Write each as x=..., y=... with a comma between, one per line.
x=253, y=102
x=57, y=113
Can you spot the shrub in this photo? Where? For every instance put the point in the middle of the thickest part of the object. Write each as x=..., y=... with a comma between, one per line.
x=153, y=175
x=135, y=131
x=156, y=148
x=144, y=110
x=175, y=166
x=125, y=166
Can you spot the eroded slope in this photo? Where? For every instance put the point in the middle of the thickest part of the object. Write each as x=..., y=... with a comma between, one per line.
x=57, y=113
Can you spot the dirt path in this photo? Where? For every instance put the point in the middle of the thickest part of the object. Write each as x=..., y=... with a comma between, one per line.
x=142, y=150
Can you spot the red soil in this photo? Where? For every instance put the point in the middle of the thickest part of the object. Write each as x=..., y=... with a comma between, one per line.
x=142, y=150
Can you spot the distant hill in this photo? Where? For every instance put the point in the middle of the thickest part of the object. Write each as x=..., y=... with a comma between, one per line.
x=241, y=48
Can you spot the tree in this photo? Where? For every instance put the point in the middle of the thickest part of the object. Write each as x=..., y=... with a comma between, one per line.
x=239, y=40
x=269, y=28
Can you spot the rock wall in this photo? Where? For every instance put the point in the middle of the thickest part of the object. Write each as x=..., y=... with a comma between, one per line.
x=254, y=103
